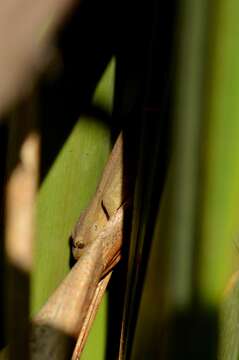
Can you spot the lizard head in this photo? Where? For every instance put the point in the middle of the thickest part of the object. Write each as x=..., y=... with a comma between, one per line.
x=85, y=232
x=81, y=238
x=78, y=247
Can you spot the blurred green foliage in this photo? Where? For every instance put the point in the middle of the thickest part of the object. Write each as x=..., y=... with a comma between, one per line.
x=64, y=193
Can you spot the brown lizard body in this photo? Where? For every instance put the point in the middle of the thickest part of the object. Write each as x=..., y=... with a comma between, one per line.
x=108, y=198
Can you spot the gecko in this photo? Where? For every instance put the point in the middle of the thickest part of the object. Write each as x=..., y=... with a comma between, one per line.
x=109, y=197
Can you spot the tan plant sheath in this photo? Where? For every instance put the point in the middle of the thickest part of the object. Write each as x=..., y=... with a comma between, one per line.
x=62, y=319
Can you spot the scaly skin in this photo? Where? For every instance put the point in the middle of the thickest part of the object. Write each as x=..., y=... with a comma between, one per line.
x=107, y=200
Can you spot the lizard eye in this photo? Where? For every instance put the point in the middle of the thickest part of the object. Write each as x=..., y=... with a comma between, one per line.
x=80, y=245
